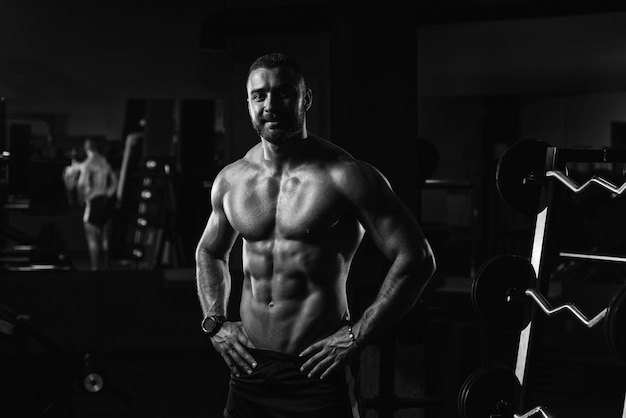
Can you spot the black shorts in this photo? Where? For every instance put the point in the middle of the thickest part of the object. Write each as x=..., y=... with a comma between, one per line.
x=278, y=389
x=98, y=210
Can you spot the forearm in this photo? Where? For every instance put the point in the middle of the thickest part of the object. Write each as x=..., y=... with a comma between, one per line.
x=213, y=283
x=404, y=283
x=70, y=177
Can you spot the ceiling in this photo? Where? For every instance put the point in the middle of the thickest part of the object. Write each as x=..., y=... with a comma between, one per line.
x=457, y=11
x=464, y=46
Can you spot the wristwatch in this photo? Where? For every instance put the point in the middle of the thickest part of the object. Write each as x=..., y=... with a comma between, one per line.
x=212, y=324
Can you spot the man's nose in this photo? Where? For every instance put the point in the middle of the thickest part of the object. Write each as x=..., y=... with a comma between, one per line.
x=271, y=102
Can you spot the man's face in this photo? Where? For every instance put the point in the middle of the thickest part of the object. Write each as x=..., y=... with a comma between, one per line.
x=277, y=102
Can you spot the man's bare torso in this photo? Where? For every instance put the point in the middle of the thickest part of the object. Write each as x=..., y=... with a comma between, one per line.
x=300, y=234
x=95, y=177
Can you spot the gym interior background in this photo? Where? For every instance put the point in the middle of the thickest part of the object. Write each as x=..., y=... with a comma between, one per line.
x=433, y=95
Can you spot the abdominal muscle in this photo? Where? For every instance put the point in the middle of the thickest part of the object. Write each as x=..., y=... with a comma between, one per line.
x=293, y=294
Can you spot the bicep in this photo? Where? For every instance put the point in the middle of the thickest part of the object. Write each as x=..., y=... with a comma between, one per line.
x=218, y=236
x=394, y=229
x=387, y=220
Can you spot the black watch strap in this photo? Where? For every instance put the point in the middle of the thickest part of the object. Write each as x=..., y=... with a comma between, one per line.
x=212, y=324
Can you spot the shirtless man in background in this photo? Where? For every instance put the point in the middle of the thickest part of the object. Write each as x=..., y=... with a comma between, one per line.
x=301, y=206
x=96, y=183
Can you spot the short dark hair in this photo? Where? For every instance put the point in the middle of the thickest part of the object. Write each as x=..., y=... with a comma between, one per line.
x=277, y=59
x=92, y=145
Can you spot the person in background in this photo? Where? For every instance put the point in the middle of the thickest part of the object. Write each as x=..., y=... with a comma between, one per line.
x=95, y=183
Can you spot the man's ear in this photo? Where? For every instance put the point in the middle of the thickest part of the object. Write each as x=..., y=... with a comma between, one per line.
x=308, y=98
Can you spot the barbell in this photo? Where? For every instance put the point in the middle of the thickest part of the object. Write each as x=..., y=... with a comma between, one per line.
x=522, y=171
x=520, y=174
x=493, y=391
x=503, y=287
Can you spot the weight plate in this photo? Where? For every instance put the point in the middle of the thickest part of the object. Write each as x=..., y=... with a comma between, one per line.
x=93, y=382
x=463, y=392
x=486, y=390
x=489, y=291
x=615, y=323
x=518, y=162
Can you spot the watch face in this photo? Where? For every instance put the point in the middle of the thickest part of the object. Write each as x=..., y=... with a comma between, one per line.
x=208, y=324
x=212, y=324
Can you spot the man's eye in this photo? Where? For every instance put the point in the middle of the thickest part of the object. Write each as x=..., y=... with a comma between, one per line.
x=258, y=97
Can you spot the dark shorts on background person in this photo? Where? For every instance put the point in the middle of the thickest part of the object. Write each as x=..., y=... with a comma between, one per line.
x=278, y=389
x=98, y=210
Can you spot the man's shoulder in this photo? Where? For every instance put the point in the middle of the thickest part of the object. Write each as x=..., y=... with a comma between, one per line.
x=236, y=170
x=238, y=167
x=335, y=160
x=351, y=172
x=354, y=176
x=96, y=162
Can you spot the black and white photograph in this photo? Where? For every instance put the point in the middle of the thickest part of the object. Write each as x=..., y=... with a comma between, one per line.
x=313, y=209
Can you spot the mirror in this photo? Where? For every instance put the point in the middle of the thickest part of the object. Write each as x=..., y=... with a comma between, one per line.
x=164, y=153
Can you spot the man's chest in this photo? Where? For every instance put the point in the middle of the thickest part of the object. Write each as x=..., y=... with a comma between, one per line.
x=288, y=207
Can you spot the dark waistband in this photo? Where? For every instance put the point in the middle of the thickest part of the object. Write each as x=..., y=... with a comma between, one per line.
x=274, y=355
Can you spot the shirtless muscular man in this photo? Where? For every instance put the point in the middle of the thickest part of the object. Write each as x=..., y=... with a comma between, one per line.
x=301, y=205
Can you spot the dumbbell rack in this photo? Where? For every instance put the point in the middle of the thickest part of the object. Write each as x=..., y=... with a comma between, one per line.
x=544, y=251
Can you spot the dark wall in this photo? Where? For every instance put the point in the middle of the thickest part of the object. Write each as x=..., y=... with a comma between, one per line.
x=374, y=91
x=101, y=49
x=558, y=54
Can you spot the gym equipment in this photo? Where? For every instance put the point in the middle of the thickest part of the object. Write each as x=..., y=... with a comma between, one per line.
x=532, y=178
x=493, y=391
x=18, y=250
x=614, y=325
x=501, y=288
x=520, y=173
x=593, y=257
x=93, y=378
x=46, y=386
x=489, y=291
x=152, y=218
x=573, y=186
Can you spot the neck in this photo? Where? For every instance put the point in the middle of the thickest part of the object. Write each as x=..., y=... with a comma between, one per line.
x=279, y=156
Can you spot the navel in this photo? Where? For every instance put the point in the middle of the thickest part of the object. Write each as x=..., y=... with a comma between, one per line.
x=271, y=304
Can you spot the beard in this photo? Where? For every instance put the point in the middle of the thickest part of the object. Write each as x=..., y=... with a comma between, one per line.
x=286, y=129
